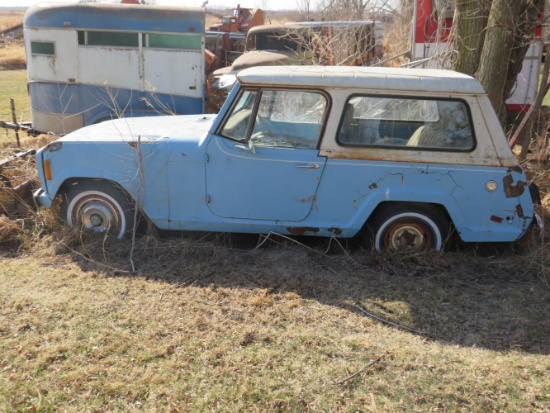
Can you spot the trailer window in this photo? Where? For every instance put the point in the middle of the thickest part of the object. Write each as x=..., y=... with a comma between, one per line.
x=97, y=38
x=174, y=41
x=43, y=48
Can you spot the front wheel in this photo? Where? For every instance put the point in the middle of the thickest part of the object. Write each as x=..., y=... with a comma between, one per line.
x=98, y=206
x=404, y=228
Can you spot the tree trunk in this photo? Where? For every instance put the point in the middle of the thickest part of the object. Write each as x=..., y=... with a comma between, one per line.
x=497, y=50
x=470, y=21
x=528, y=133
x=527, y=20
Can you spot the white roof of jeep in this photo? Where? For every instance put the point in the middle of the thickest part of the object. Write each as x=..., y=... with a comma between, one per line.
x=377, y=78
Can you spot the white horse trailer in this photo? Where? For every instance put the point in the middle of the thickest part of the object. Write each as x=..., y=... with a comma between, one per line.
x=90, y=62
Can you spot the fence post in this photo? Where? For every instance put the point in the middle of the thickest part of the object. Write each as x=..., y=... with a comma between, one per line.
x=14, y=118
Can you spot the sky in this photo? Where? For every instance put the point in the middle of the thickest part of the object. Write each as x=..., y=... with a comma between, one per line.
x=272, y=4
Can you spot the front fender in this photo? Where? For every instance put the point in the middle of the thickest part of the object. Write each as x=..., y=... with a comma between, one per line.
x=141, y=173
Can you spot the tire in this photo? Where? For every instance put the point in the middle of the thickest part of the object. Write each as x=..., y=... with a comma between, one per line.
x=98, y=206
x=406, y=228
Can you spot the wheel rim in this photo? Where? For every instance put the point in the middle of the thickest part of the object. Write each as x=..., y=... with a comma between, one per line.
x=97, y=212
x=407, y=236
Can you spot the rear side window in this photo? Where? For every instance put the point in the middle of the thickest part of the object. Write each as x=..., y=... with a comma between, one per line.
x=43, y=48
x=406, y=123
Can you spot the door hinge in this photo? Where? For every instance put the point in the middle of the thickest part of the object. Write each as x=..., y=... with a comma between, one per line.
x=206, y=158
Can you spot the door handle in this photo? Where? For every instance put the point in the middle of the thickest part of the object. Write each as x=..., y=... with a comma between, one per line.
x=308, y=166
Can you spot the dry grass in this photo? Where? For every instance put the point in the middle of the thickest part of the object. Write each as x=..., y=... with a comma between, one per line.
x=10, y=18
x=12, y=56
x=205, y=327
x=10, y=233
x=12, y=53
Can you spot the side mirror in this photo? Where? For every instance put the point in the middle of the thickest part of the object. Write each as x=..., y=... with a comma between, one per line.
x=247, y=147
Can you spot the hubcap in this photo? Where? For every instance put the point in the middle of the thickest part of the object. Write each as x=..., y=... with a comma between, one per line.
x=98, y=216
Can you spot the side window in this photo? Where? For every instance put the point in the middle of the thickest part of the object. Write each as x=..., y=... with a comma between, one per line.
x=213, y=43
x=236, y=44
x=289, y=119
x=401, y=122
x=236, y=48
x=277, y=42
x=251, y=42
x=237, y=124
x=100, y=38
x=43, y=48
x=173, y=41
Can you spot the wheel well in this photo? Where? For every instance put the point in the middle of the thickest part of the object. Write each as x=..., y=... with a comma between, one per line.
x=64, y=187
x=449, y=236
x=440, y=208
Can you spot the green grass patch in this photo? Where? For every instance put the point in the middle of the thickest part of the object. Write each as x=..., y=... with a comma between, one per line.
x=13, y=84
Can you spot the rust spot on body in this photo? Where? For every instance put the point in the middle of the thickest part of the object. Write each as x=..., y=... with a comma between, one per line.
x=307, y=200
x=516, y=168
x=494, y=218
x=511, y=190
x=335, y=230
x=356, y=156
x=302, y=230
x=519, y=211
x=374, y=185
x=404, y=155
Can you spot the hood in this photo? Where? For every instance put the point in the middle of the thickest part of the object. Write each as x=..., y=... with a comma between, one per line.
x=148, y=129
x=259, y=58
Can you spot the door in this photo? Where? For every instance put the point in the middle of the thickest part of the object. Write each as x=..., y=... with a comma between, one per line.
x=263, y=164
x=173, y=73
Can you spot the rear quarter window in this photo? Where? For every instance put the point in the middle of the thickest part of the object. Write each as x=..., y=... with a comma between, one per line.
x=406, y=123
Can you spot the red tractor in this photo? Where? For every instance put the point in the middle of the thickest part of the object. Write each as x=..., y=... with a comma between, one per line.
x=240, y=20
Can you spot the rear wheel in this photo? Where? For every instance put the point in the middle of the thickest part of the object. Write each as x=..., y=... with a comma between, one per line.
x=408, y=228
x=98, y=206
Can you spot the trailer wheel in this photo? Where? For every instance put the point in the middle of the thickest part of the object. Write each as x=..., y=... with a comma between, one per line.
x=98, y=206
x=408, y=228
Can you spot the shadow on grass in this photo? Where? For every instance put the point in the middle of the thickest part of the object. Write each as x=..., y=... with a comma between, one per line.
x=498, y=302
